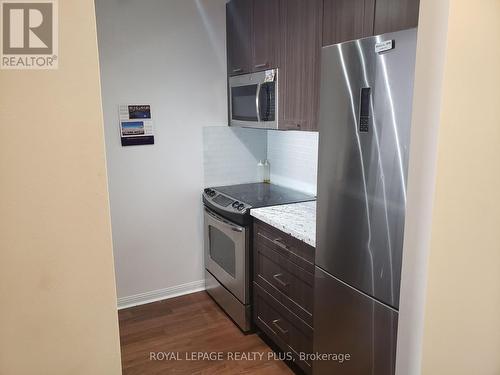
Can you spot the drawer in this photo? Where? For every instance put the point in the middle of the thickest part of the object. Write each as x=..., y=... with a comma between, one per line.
x=294, y=250
x=286, y=330
x=288, y=283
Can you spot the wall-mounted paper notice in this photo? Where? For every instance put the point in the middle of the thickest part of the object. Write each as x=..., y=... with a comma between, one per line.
x=136, y=125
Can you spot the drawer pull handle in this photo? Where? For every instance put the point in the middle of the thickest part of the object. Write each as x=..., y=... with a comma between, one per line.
x=283, y=331
x=278, y=241
x=237, y=70
x=277, y=277
x=261, y=65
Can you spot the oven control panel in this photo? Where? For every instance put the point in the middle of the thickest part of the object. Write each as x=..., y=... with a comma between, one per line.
x=224, y=202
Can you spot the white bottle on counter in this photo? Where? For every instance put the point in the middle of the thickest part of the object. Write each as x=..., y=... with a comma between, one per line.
x=261, y=174
x=267, y=171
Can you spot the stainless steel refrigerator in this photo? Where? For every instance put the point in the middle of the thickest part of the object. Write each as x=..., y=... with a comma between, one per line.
x=365, y=116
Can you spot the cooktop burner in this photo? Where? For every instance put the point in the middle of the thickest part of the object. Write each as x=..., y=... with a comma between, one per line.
x=263, y=194
x=235, y=201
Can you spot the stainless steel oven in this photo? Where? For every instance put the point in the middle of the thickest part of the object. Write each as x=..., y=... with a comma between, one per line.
x=227, y=266
x=253, y=100
x=227, y=229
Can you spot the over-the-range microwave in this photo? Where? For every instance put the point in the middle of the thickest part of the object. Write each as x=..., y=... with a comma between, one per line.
x=253, y=100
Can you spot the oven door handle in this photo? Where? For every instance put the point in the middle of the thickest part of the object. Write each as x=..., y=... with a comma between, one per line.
x=219, y=219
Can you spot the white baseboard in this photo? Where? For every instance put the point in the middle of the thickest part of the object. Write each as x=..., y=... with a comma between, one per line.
x=160, y=294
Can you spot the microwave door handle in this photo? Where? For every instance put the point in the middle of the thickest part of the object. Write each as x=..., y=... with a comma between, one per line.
x=257, y=101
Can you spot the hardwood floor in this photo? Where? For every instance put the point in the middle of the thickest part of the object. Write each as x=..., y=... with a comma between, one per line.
x=184, y=325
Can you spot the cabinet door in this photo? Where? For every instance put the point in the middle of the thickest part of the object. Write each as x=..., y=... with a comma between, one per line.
x=300, y=47
x=266, y=27
x=238, y=27
x=345, y=20
x=394, y=15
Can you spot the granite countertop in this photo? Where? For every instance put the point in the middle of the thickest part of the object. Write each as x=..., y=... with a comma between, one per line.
x=296, y=219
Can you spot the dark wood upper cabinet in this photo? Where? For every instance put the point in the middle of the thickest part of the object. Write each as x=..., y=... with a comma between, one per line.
x=300, y=48
x=252, y=35
x=288, y=35
x=347, y=20
x=395, y=15
x=265, y=32
x=239, y=37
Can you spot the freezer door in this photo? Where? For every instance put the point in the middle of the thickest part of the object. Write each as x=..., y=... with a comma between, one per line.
x=365, y=116
x=347, y=322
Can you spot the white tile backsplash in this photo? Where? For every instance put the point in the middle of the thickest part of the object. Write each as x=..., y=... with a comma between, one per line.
x=294, y=159
x=231, y=154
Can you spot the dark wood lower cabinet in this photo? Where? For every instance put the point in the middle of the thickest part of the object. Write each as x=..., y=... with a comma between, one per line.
x=283, y=291
x=288, y=332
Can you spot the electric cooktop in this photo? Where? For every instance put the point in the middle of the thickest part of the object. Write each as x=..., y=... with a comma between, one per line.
x=235, y=201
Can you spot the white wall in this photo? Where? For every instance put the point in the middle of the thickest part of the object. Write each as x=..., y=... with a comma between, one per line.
x=231, y=154
x=462, y=311
x=294, y=159
x=429, y=72
x=170, y=54
x=57, y=288
x=450, y=296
